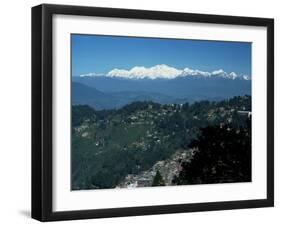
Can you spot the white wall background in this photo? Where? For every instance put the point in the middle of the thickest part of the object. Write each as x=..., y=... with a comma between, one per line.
x=15, y=113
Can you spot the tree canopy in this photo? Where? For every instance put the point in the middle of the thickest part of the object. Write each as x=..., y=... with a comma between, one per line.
x=222, y=155
x=158, y=180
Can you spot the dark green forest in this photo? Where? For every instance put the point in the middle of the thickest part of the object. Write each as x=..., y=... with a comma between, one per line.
x=223, y=155
x=108, y=145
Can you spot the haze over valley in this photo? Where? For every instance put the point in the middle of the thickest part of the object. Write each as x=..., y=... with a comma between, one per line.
x=163, y=85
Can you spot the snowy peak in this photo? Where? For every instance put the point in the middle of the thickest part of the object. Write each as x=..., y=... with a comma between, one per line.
x=163, y=71
x=158, y=71
x=191, y=72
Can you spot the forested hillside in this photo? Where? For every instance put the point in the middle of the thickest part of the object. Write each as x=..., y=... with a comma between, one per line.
x=109, y=145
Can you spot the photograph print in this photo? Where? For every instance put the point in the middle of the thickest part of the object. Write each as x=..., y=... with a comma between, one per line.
x=152, y=112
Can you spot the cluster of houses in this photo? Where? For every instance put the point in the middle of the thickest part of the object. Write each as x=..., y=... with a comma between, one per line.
x=168, y=169
x=148, y=115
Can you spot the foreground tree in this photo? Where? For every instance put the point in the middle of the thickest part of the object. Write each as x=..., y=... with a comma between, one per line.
x=158, y=180
x=222, y=155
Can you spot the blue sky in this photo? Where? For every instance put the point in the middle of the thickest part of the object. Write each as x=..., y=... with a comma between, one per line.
x=100, y=54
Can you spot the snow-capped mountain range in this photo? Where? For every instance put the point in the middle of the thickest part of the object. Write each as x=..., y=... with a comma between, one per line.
x=166, y=72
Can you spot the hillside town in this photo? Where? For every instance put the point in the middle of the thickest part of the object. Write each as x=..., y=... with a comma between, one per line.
x=146, y=138
x=168, y=169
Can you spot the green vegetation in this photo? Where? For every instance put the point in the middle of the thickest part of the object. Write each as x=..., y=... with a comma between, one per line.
x=158, y=180
x=108, y=145
x=223, y=154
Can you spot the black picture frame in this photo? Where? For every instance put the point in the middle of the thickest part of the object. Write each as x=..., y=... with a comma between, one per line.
x=42, y=111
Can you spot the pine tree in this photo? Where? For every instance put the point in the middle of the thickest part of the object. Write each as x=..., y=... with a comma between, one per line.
x=158, y=180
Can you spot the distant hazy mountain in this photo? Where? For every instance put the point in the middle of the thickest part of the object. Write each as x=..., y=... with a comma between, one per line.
x=115, y=92
x=83, y=94
x=160, y=83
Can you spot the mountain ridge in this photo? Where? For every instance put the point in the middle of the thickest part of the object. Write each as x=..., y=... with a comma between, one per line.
x=110, y=93
x=163, y=71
